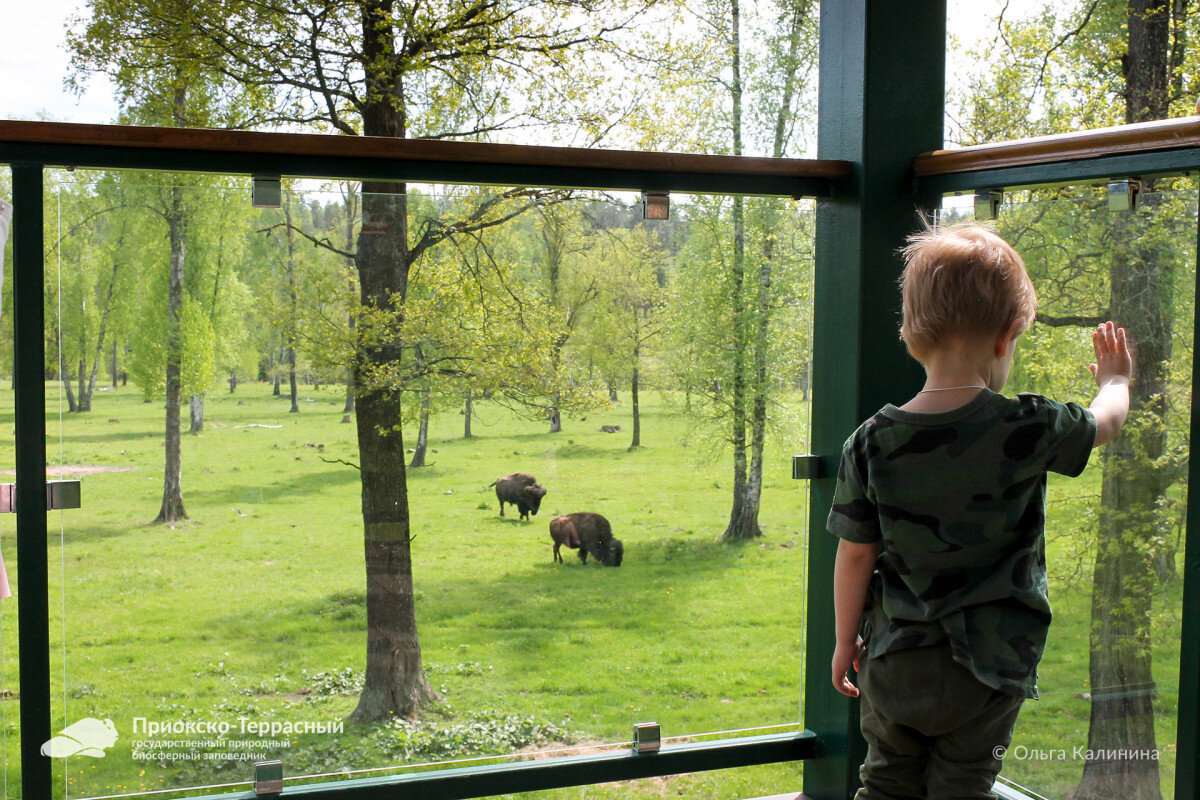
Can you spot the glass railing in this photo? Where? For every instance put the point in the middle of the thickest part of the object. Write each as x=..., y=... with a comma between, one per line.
x=1105, y=723
x=10, y=704
x=239, y=597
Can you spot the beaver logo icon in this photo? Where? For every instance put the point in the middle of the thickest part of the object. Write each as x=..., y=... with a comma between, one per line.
x=88, y=737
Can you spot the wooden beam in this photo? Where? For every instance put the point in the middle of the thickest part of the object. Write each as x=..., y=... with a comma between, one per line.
x=420, y=150
x=1167, y=134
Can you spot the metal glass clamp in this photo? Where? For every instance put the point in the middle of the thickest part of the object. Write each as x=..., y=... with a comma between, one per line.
x=647, y=738
x=268, y=777
x=987, y=204
x=1123, y=194
x=59, y=495
x=266, y=191
x=807, y=467
x=656, y=205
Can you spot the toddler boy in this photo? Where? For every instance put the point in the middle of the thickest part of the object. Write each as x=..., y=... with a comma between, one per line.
x=940, y=506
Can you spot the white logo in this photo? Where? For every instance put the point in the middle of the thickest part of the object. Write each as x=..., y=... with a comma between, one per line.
x=88, y=737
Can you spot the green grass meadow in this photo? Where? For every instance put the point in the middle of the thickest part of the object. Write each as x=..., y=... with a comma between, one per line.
x=254, y=608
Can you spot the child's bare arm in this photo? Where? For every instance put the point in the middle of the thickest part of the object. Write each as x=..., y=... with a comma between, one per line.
x=851, y=576
x=1112, y=371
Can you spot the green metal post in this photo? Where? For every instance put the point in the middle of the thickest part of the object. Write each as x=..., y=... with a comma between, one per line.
x=882, y=67
x=1187, y=774
x=30, y=424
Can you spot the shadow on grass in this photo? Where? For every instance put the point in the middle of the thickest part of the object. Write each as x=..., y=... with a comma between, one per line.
x=535, y=603
x=71, y=438
x=544, y=599
x=618, y=450
x=297, y=487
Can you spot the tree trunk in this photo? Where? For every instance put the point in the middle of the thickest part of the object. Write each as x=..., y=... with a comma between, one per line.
x=740, y=517
x=612, y=392
x=91, y=382
x=468, y=412
x=82, y=403
x=172, y=502
x=759, y=390
x=114, y=364
x=1146, y=64
x=293, y=304
x=552, y=236
x=418, y=459
x=743, y=523
x=293, y=388
x=351, y=213
x=633, y=400
x=395, y=680
x=91, y=386
x=72, y=406
x=736, y=530
x=197, y=409
x=1124, y=579
x=232, y=381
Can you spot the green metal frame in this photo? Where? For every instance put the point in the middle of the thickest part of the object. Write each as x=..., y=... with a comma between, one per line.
x=881, y=105
x=533, y=776
x=30, y=424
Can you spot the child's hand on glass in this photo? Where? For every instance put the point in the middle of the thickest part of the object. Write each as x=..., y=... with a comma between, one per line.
x=1113, y=360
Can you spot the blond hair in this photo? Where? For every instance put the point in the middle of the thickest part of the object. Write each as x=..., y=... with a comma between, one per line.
x=962, y=280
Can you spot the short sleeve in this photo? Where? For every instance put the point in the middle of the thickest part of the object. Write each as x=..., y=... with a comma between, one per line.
x=1070, y=436
x=853, y=516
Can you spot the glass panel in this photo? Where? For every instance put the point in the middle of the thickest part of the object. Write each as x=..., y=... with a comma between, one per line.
x=1106, y=721
x=248, y=628
x=10, y=709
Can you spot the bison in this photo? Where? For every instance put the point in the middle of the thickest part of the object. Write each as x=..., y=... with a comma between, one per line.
x=588, y=533
x=520, y=489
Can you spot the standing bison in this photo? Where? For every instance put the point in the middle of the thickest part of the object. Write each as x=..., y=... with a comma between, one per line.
x=520, y=489
x=589, y=533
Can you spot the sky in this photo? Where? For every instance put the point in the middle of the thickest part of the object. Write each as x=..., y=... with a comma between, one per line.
x=34, y=60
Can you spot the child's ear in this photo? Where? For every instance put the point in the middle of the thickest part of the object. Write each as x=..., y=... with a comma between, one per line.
x=1007, y=341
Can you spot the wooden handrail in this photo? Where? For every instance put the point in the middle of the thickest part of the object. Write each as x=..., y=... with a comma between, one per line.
x=427, y=150
x=1167, y=134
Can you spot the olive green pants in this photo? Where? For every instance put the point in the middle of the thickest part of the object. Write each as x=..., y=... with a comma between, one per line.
x=933, y=730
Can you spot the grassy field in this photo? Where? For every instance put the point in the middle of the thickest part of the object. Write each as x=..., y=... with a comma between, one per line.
x=254, y=608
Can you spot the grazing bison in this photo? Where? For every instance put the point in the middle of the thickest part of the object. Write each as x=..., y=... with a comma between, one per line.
x=588, y=533
x=520, y=489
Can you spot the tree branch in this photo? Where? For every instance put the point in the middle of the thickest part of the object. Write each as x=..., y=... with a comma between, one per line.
x=1080, y=321
x=316, y=242
x=340, y=461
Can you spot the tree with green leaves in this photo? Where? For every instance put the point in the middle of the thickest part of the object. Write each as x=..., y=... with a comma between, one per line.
x=90, y=236
x=627, y=320
x=447, y=70
x=765, y=57
x=165, y=74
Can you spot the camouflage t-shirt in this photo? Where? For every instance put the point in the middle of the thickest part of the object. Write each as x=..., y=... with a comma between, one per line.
x=956, y=500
